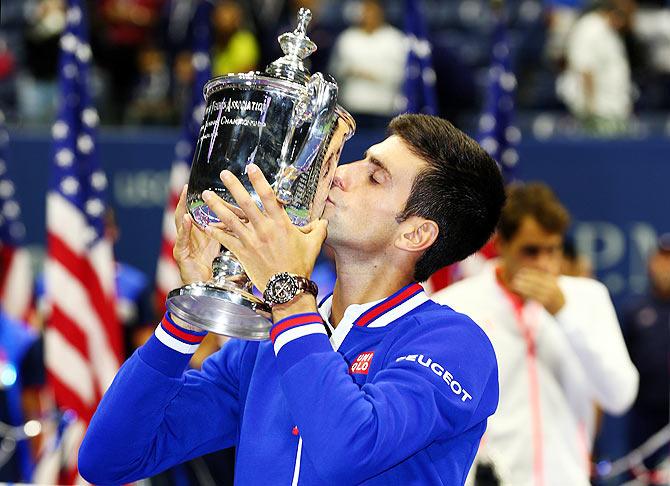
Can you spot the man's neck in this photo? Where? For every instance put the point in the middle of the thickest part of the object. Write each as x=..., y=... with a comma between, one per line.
x=359, y=283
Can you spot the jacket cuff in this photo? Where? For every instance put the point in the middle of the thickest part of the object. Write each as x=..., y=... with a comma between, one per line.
x=170, y=348
x=297, y=336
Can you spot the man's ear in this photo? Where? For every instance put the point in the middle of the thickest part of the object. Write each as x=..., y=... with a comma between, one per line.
x=417, y=234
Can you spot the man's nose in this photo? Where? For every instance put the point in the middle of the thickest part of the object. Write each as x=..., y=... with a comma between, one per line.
x=342, y=176
x=338, y=181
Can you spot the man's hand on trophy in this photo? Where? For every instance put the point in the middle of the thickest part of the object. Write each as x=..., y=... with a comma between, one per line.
x=193, y=249
x=267, y=242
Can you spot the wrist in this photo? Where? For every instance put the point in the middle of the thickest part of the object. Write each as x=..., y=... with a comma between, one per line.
x=182, y=323
x=301, y=304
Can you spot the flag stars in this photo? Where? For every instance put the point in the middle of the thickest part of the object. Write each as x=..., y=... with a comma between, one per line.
x=70, y=70
x=90, y=235
x=510, y=157
x=85, y=144
x=69, y=185
x=401, y=103
x=90, y=117
x=507, y=81
x=17, y=230
x=99, y=180
x=420, y=47
x=69, y=42
x=59, y=130
x=3, y=167
x=6, y=189
x=487, y=122
x=83, y=52
x=64, y=157
x=490, y=145
x=429, y=76
x=182, y=149
x=199, y=113
x=95, y=207
x=513, y=134
x=200, y=61
x=11, y=209
x=73, y=15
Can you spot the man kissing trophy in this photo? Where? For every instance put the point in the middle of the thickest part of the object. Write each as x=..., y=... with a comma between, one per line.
x=287, y=122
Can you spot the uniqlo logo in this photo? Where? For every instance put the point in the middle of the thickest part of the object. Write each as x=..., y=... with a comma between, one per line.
x=361, y=364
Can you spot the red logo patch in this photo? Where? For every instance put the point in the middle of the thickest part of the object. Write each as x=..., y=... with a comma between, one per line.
x=361, y=364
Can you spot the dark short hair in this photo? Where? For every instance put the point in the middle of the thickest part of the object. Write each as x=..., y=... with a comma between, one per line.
x=460, y=189
x=534, y=199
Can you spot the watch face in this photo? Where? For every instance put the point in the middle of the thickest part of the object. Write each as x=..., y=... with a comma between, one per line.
x=282, y=288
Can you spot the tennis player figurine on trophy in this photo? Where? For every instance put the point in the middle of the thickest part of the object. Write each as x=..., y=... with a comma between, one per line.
x=288, y=123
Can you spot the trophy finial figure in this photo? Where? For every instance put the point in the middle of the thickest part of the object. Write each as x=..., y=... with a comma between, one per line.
x=304, y=17
x=296, y=46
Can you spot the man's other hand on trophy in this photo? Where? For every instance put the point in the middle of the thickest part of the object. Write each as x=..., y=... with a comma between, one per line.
x=193, y=250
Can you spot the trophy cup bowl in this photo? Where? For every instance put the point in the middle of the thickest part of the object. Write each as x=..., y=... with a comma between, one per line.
x=288, y=123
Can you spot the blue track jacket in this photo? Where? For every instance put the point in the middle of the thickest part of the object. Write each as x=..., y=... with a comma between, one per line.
x=402, y=401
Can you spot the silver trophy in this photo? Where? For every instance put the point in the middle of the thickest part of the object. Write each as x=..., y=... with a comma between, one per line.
x=288, y=123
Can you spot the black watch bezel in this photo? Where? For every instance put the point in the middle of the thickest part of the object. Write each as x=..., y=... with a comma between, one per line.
x=283, y=287
x=276, y=293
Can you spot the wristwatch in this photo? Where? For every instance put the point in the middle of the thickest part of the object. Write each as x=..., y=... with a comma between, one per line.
x=283, y=287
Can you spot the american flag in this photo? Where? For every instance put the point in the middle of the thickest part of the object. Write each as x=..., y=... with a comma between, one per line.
x=82, y=336
x=16, y=282
x=497, y=133
x=167, y=274
x=419, y=94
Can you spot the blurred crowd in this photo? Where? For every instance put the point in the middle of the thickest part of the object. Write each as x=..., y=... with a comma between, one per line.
x=604, y=61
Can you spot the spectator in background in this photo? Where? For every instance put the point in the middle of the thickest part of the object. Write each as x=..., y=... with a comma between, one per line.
x=175, y=26
x=596, y=85
x=12, y=56
x=558, y=342
x=181, y=87
x=235, y=49
x=176, y=38
x=561, y=16
x=647, y=331
x=7, y=76
x=368, y=61
x=38, y=85
x=151, y=104
x=123, y=28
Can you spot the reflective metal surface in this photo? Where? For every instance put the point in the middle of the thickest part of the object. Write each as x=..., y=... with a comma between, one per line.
x=288, y=123
x=222, y=311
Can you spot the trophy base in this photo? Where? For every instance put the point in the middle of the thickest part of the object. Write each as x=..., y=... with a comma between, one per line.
x=229, y=312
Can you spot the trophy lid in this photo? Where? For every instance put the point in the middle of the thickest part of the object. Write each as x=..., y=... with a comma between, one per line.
x=296, y=46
